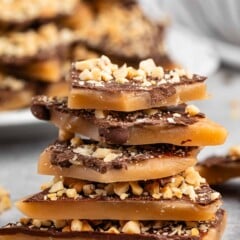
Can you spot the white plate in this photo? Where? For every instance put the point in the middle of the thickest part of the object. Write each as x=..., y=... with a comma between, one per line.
x=194, y=53
x=19, y=117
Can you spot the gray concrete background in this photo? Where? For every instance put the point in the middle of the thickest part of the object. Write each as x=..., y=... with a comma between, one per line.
x=20, y=148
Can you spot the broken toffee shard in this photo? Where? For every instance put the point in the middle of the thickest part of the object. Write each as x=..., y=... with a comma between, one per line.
x=40, y=51
x=98, y=162
x=185, y=196
x=179, y=125
x=100, y=84
x=33, y=229
x=20, y=14
x=218, y=169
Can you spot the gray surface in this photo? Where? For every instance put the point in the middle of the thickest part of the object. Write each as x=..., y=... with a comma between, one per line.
x=19, y=160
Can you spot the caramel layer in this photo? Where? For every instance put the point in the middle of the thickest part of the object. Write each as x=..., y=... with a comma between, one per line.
x=118, y=209
x=131, y=101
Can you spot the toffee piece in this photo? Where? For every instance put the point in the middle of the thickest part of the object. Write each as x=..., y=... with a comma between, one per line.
x=15, y=93
x=178, y=125
x=131, y=31
x=185, y=196
x=219, y=169
x=100, y=84
x=115, y=230
x=19, y=14
x=99, y=162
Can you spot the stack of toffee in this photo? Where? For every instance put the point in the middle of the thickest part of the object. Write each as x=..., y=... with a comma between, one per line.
x=133, y=176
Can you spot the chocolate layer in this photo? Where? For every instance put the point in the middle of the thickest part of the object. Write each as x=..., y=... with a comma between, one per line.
x=64, y=154
x=161, y=230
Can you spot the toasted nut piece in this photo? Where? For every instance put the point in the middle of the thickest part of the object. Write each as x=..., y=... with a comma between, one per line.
x=106, y=76
x=88, y=189
x=152, y=111
x=123, y=196
x=82, y=65
x=192, y=177
x=36, y=223
x=76, y=141
x=136, y=189
x=101, y=152
x=132, y=72
x=99, y=114
x=121, y=72
x=177, y=192
x=111, y=156
x=215, y=195
x=109, y=189
x=96, y=73
x=192, y=110
x=131, y=227
x=167, y=193
x=56, y=187
x=86, y=227
x=46, y=223
x=64, y=135
x=177, y=181
x=46, y=185
x=120, y=188
x=66, y=229
x=76, y=226
x=86, y=75
x=113, y=230
x=194, y=232
x=59, y=223
x=71, y=193
x=147, y=66
x=158, y=72
x=234, y=151
x=25, y=221
x=153, y=188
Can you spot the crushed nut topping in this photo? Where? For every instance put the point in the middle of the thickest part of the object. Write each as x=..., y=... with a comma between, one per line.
x=30, y=43
x=130, y=30
x=192, y=110
x=101, y=70
x=161, y=228
x=11, y=83
x=187, y=184
x=25, y=10
x=234, y=152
